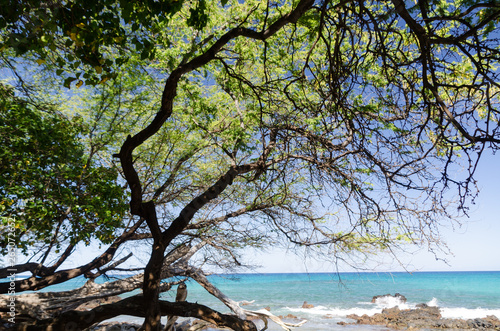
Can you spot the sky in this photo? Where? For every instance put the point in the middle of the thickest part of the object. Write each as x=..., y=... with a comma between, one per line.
x=474, y=247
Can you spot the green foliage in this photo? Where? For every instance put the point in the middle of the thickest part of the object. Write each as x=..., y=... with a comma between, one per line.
x=77, y=36
x=339, y=104
x=48, y=185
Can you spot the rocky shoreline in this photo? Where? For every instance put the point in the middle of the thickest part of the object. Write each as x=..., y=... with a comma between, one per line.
x=423, y=318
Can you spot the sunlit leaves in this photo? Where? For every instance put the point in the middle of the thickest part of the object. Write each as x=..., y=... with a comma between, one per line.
x=47, y=184
x=338, y=103
x=86, y=32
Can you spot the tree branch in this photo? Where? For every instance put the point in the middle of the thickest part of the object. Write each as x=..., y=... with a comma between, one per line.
x=134, y=306
x=33, y=283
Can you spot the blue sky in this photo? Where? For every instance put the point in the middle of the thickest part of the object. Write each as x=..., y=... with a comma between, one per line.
x=475, y=246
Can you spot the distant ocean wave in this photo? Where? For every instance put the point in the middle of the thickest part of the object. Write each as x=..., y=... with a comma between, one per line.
x=369, y=308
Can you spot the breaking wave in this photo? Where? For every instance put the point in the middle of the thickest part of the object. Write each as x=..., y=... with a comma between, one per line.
x=468, y=313
x=370, y=309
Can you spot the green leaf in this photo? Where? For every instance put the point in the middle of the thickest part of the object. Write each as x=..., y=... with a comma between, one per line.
x=68, y=81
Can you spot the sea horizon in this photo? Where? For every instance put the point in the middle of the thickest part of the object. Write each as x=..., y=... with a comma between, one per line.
x=352, y=272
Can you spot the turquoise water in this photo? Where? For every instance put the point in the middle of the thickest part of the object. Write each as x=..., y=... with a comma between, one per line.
x=458, y=294
x=451, y=289
x=334, y=296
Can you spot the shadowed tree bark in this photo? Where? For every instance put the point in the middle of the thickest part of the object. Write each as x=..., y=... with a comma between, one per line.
x=134, y=306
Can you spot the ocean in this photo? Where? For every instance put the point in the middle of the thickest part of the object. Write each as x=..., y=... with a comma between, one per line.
x=334, y=296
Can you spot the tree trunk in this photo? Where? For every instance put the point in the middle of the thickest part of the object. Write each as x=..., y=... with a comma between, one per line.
x=46, y=305
x=151, y=288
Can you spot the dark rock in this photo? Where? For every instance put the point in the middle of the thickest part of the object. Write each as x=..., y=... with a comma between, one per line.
x=492, y=319
x=401, y=297
x=432, y=313
x=424, y=317
x=352, y=316
x=391, y=313
x=479, y=323
x=448, y=323
x=307, y=305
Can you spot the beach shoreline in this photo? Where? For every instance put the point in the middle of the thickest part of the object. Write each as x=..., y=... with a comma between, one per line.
x=423, y=317
x=383, y=312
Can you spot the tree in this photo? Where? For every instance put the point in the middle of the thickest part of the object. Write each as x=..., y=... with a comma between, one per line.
x=54, y=191
x=268, y=112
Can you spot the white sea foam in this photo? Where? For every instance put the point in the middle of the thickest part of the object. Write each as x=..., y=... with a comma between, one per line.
x=433, y=303
x=370, y=309
x=377, y=307
x=463, y=313
x=467, y=313
x=365, y=303
x=389, y=302
x=334, y=312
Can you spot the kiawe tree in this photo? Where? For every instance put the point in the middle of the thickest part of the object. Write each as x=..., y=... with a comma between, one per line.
x=337, y=126
x=56, y=193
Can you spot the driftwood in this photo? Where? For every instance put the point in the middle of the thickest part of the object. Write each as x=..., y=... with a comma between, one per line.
x=263, y=314
x=50, y=276
x=45, y=305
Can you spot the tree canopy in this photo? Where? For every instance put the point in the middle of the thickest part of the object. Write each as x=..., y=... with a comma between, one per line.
x=337, y=126
x=99, y=35
x=53, y=191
